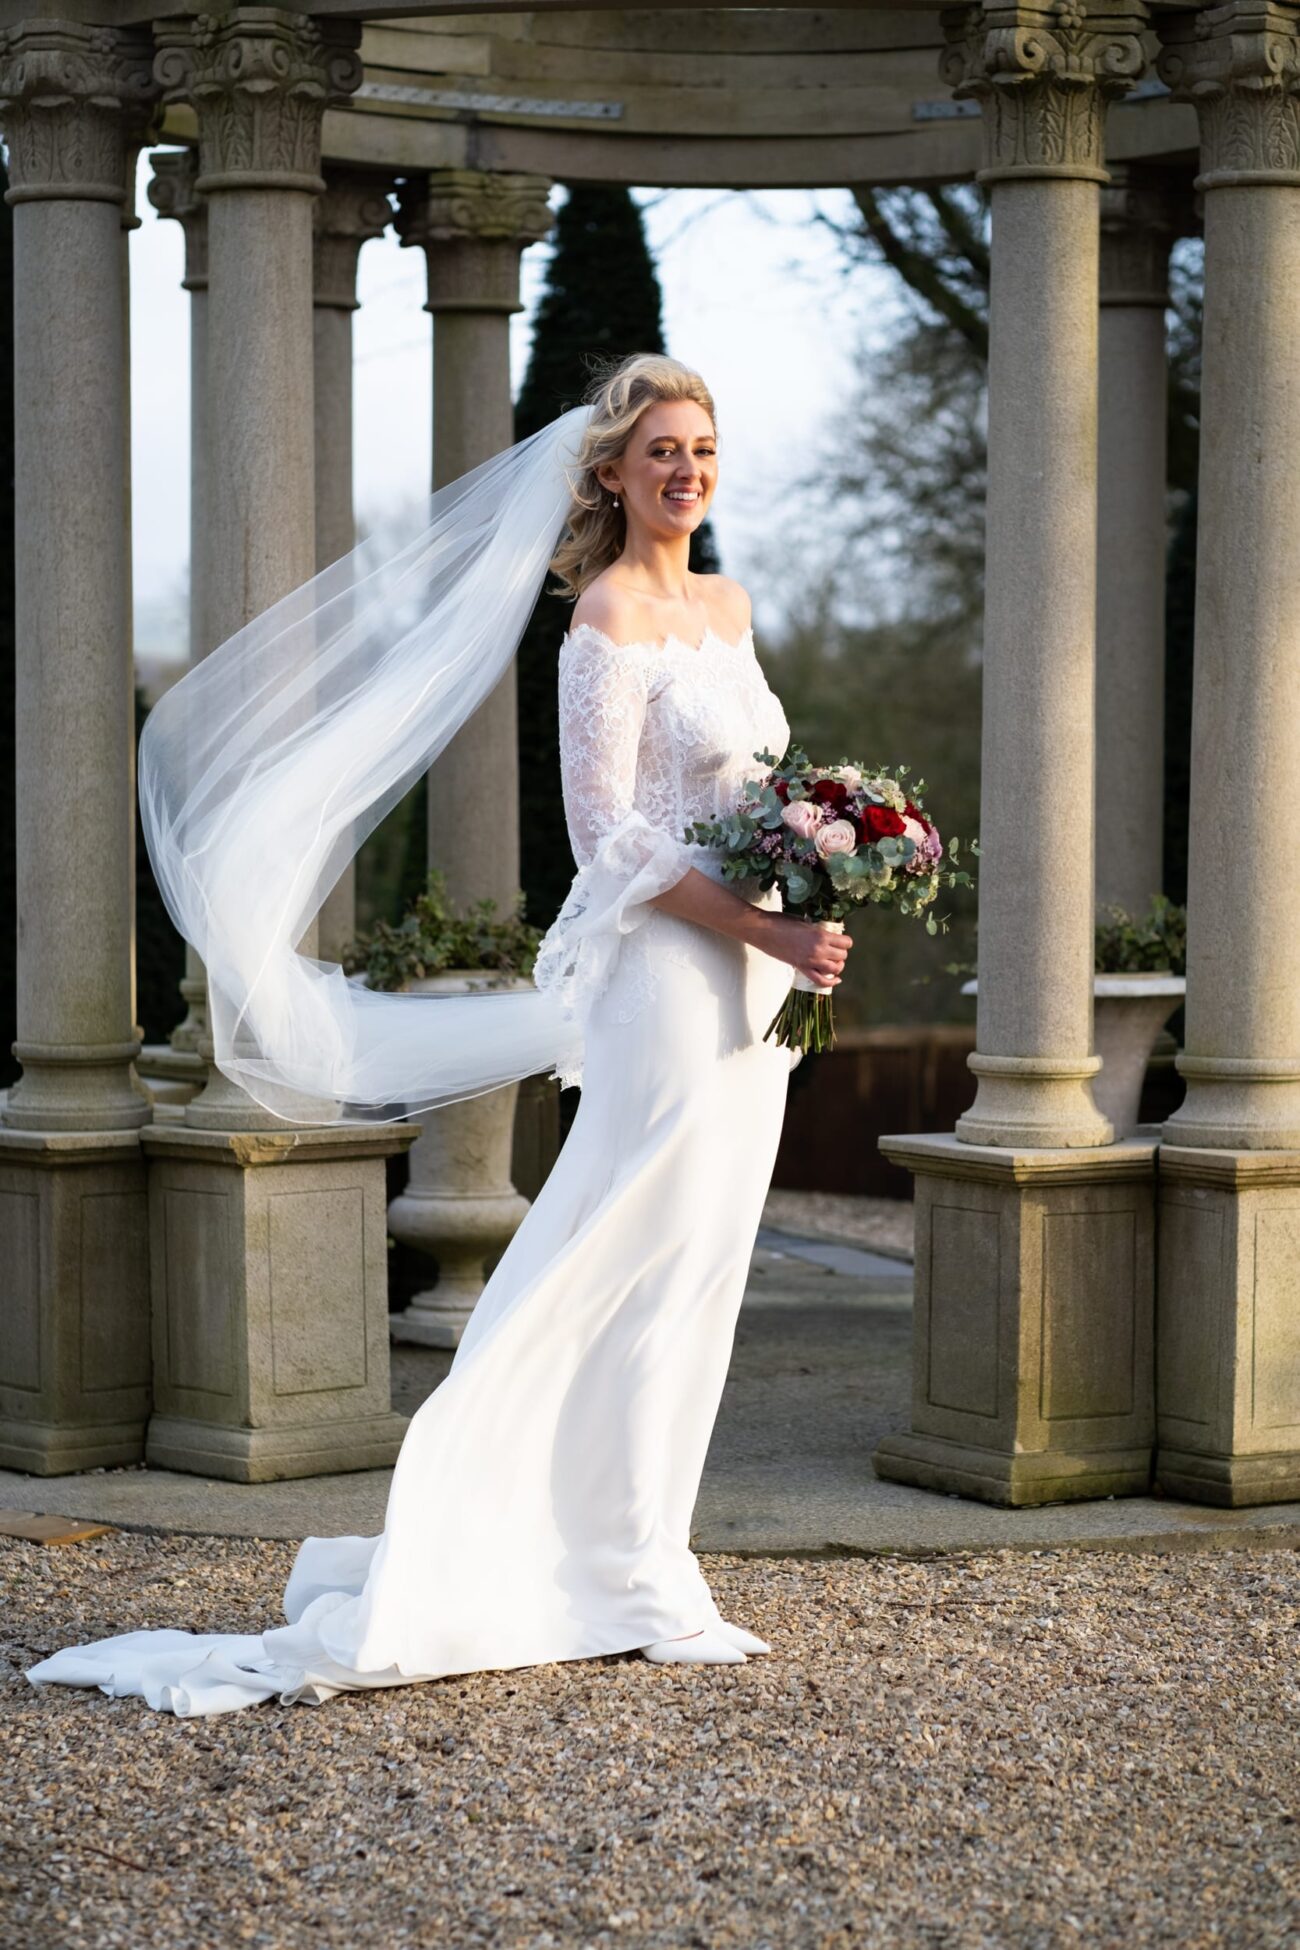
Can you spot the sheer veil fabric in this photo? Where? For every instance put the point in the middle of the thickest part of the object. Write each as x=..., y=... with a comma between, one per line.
x=540, y=1507
x=264, y=768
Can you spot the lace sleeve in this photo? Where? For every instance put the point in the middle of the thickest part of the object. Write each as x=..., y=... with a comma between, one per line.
x=623, y=860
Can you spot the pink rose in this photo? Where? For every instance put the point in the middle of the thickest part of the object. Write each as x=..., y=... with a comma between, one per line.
x=836, y=836
x=802, y=817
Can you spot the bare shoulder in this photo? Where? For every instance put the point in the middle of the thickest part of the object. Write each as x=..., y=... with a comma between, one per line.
x=729, y=604
x=615, y=612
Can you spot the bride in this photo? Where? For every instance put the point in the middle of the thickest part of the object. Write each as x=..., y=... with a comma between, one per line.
x=540, y=1506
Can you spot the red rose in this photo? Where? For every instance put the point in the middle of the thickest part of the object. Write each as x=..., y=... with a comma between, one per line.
x=781, y=790
x=914, y=812
x=881, y=822
x=830, y=792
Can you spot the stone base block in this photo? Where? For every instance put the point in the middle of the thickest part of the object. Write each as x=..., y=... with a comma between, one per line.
x=1032, y=1357
x=1228, y=1326
x=74, y=1300
x=1014, y=1482
x=270, y=1300
x=273, y=1455
x=427, y=1324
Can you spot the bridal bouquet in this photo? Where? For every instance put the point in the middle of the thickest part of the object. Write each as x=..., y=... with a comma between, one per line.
x=834, y=836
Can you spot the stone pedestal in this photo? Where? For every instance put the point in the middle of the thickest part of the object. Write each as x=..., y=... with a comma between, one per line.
x=1228, y=1326
x=270, y=1301
x=74, y=1324
x=1035, y=1278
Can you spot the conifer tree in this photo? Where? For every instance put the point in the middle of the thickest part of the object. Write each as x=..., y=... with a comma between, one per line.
x=601, y=303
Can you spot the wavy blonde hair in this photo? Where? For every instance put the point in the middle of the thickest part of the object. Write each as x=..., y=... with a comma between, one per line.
x=618, y=397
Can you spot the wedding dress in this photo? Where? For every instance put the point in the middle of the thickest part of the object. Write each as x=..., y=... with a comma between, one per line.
x=540, y=1506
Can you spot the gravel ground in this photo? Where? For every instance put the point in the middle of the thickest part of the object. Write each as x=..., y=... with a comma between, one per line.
x=886, y=1223
x=1014, y=1751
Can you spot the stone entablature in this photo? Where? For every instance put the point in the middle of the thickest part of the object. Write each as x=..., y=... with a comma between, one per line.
x=260, y=80
x=1239, y=67
x=1043, y=77
x=73, y=99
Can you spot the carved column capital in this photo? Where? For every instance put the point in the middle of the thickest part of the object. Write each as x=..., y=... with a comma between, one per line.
x=260, y=80
x=353, y=210
x=1142, y=212
x=173, y=193
x=1239, y=66
x=473, y=224
x=1043, y=76
x=74, y=100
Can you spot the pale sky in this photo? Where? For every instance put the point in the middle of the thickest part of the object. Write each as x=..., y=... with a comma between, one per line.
x=754, y=297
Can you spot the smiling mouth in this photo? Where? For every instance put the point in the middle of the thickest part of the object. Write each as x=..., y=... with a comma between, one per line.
x=684, y=497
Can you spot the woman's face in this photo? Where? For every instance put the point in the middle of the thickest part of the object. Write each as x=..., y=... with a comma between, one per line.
x=666, y=475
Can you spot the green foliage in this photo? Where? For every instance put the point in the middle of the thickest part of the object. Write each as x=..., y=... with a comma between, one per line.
x=1149, y=943
x=601, y=303
x=431, y=938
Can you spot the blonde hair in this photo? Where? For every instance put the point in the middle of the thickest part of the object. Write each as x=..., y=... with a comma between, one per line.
x=618, y=397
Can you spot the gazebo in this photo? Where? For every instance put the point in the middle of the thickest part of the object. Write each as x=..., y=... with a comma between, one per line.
x=190, y=1281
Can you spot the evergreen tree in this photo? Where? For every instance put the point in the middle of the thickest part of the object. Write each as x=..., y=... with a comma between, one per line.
x=601, y=303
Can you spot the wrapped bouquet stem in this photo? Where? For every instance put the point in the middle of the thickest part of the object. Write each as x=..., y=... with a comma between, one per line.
x=834, y=838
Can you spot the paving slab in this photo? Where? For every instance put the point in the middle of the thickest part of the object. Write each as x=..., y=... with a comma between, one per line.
x=821, y=1370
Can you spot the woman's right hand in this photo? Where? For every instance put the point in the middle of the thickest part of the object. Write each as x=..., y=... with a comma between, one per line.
x=817, y=953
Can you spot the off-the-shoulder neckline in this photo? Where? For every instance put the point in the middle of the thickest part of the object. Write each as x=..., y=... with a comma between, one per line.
x=662, y=643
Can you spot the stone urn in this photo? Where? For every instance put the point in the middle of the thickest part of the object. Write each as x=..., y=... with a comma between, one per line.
x=459, y=1204
x=1128, y=1014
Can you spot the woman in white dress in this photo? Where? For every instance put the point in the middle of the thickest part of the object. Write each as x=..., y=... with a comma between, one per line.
x=540, y=1506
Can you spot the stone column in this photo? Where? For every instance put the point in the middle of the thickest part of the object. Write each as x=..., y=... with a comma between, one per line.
x=353, y=209
x=177, y=1073
x=1229, y=1391
x=1141, y=214
x=473, y=227
x=269, y=1278
x=1032, y=1377
x=74, y=1367
x=460, y=1205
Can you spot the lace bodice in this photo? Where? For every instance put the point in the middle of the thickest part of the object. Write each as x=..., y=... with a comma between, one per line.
x=652, y=737
x=665, y=729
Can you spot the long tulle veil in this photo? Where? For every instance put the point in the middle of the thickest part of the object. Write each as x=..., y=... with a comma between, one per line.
x=264, y=768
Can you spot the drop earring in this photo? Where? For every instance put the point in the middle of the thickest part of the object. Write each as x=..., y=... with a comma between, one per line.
x=616, y=501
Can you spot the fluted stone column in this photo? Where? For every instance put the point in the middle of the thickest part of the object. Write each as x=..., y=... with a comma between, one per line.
x=1142, y=211
x=353, y=209
x=1032, y=1368
x=267, y=1240
x=74, y=1362
x=1229, y=1392
x=178, y=1073
x=460, y=1205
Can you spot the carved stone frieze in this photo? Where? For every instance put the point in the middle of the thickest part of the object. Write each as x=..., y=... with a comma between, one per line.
x=75, y=103
x=473, y=224
x=352, y=211
x=1043, y=76
x=1239, y=66
x=260, y=80
x=1142, y=212
x=173, y=193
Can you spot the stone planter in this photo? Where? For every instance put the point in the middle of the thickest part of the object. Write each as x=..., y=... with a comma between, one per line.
x=460, y=1205
x=1129, y=1012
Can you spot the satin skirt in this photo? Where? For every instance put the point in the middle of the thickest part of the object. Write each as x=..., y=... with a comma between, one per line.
x=541, y=1504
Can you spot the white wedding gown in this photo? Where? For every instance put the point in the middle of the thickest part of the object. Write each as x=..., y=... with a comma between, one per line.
x=540, y=1506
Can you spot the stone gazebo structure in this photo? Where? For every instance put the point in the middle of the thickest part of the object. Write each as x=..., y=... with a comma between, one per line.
x=189, y=1280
